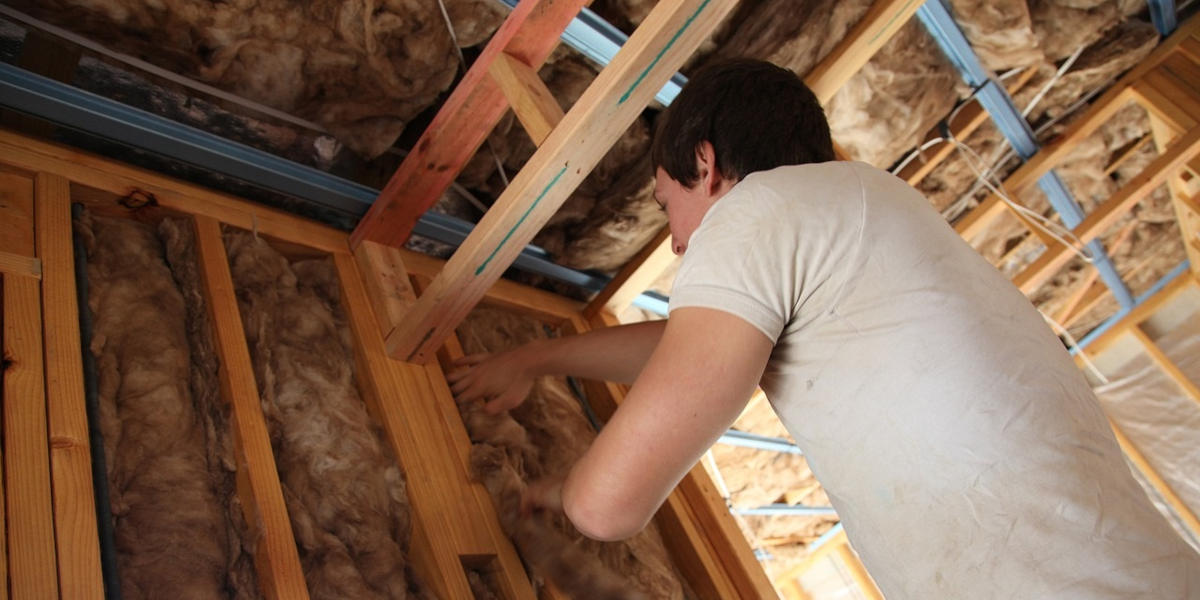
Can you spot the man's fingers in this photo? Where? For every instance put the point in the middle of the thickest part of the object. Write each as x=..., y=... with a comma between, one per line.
x=471, y=359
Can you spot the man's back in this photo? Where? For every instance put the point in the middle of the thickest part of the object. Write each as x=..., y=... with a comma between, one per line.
x=959, y=443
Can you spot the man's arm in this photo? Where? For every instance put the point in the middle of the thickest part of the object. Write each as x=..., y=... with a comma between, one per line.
x=699, y=378
x=504, y=380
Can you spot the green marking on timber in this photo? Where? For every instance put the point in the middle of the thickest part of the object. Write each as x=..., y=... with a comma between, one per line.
x=671, y=42
x=519, y=221
x=890, y=21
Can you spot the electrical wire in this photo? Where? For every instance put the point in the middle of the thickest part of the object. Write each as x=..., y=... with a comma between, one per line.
x=1054, y=230
x=1074, y=345
x=1053, y=80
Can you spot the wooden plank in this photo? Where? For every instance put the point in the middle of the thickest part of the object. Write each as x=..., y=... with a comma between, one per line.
x=75, y=527
x=1126, y=153
x=866, y=585
x=535, y=106
x=635, y=277
x=1165, y=363
x=668, y=35
x=1140, y=313
x=830, y=546
x=1185, y=70
x=388, y=287
x=16, y=214
x=119, y=179
x=1162, y=97
x=882, y=21
x=31, y=555
x=529, y=33
x=1104, y=215
x=1156, y=481
x=418, y=414
x=965, y=122
x=23, y=266
x=275, y=556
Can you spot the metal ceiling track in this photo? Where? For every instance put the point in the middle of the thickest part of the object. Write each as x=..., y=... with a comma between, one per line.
x=939, y=21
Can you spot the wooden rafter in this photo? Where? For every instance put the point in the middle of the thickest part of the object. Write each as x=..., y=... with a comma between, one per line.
x=529, y=34
x=668, y=35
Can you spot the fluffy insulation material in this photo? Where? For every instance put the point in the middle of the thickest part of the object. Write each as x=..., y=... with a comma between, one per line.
x=345, y=494
x=541, y=438
x=169, y=472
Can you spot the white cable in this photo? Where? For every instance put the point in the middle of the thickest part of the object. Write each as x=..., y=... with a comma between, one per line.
x=915, y=153
x=1053, y=80
x=1074, y=345
x=1036, y=219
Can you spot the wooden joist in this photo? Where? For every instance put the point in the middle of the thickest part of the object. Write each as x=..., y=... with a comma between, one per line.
x=529, y=33
x=276, y=558
x=668, y=35
x=1156, y=481
x=24, y=266
x=1165, y=364
x=876, y=28
x=75, y=527
x=531, y=100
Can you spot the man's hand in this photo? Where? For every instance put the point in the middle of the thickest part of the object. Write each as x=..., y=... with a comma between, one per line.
x=501, y=380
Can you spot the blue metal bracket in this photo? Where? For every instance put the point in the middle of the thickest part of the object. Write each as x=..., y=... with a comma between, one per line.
x=939, y=21
x=1162, y=12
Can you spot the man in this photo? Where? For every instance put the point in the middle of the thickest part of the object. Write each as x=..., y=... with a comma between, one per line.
x=963, y=450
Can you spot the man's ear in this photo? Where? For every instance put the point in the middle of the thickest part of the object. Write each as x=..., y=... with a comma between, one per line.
x=706, y=167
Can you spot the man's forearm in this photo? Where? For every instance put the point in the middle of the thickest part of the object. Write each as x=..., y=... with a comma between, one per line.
x=611, y=354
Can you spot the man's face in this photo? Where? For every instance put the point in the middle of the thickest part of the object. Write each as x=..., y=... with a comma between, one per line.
x=685, y=208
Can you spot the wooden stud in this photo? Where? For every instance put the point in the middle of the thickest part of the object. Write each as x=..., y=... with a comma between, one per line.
x=876, y=28
x=533, y=103
x=635, y=277
x=23, y=266
x=1154, y=175
x=529, y=33
x=1165, y=363
x=31, y=554
x=417, y=411
x=866, y=585
x=668, y=35
x=1156, y=481
x=276, y=557
x=78, y=544
x=388, y=287
x=16, y=214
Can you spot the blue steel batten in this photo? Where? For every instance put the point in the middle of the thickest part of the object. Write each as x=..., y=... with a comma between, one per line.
x=786, y=510
x=1162, y=12
x=759, y=442
x=596, y=39
x=938, y=20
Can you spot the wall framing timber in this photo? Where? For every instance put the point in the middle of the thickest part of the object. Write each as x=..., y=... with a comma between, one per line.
x=455, y=524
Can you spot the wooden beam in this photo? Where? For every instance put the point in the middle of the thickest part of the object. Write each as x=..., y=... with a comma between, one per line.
x=831, y=545
x=529, y=33
x=16, y=215
x=1156, y=481
x=635, y=277
x=866, y=585
x=668, y=35
x=968, y=119
x=1104, y=215
x=79, y=573
x=535, y=106
x=275, y=555
x=1165, y=363
x=171, y=194
x=23, y=266
x=1126, y=153
x=419, y=416
x=1140, y=313
x=32, y=565
x=388, y=287
x=876, y=28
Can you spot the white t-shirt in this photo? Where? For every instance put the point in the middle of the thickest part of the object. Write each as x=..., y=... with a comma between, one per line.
x=962, y=448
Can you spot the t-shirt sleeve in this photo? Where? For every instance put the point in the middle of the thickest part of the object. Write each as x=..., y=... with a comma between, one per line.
x=732, y=267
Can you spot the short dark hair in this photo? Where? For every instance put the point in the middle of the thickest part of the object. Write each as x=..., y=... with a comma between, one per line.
x=756, y=115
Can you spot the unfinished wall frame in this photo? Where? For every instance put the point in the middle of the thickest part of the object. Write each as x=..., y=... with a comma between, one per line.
x=455, y=525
